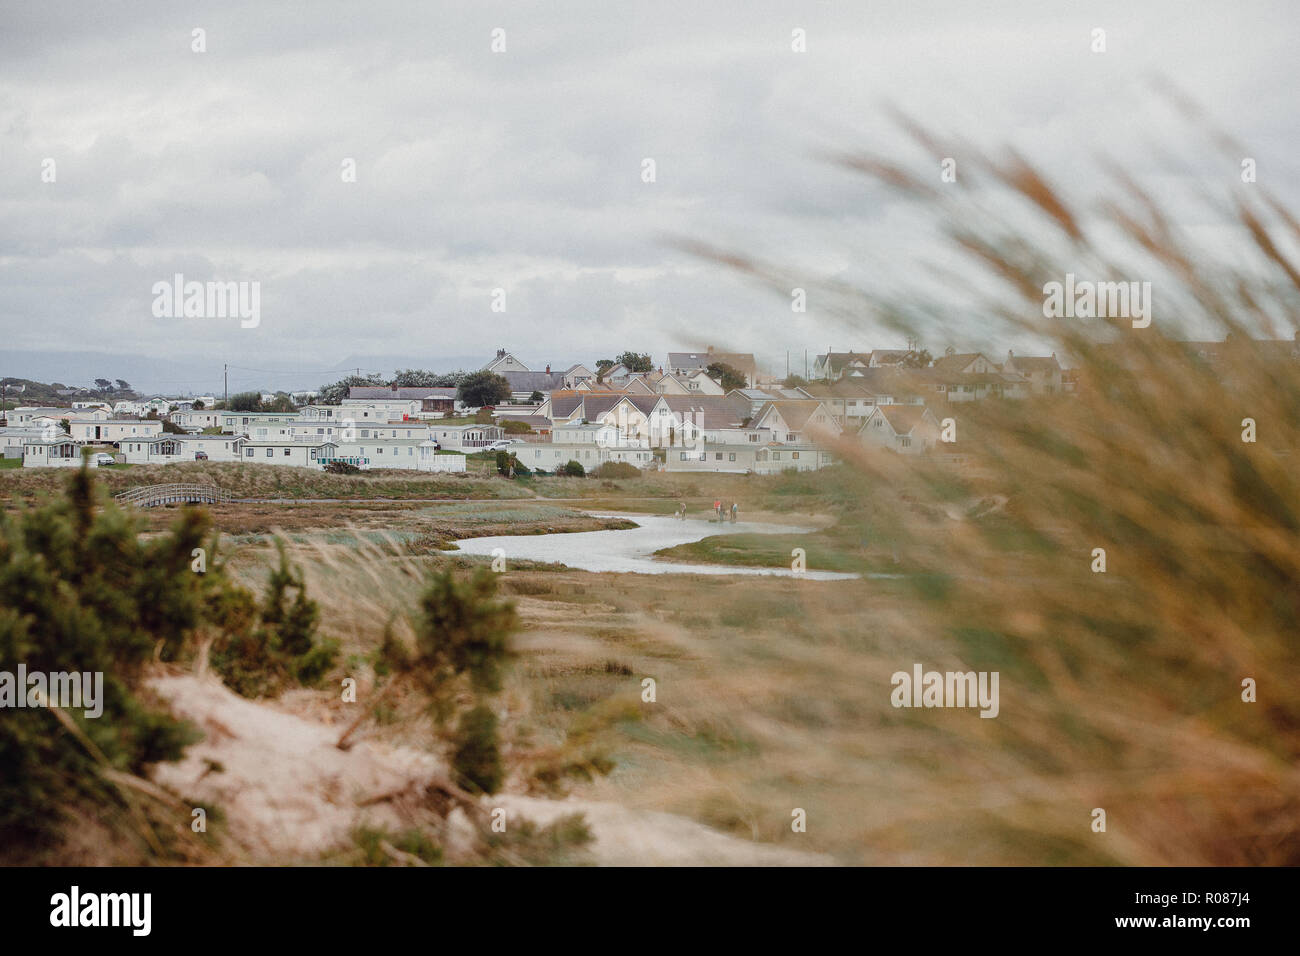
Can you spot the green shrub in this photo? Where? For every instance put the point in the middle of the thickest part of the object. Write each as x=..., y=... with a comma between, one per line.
x=81, y=591
x=477, y=758
x=572, y=469
x=266, y=647
x=616, y=469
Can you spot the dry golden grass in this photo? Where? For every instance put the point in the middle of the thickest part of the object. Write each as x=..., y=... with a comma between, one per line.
x=1121, y=690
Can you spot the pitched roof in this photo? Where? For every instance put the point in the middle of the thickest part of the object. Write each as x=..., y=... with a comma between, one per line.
x=708, y=411
x=533, y=381
x=598, y=403
x=1035, y=363
x=740, y=361
x=840, y=359
x=794, y=413
x=903, y=418
x=956, y=362
x=401, y=392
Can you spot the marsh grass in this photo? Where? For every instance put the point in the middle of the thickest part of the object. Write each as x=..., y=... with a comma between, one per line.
x=1120, y=690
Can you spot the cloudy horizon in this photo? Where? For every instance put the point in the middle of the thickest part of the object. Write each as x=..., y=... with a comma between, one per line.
x=523, y=169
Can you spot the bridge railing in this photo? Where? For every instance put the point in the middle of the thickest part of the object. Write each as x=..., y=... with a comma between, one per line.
x=147, y=496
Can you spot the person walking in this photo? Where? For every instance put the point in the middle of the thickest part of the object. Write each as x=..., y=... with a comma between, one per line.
x=734, y=508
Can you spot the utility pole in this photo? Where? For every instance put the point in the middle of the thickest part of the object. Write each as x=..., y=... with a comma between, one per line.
x=225, y=378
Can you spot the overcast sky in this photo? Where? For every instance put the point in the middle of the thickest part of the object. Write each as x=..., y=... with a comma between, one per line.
x=522, y=170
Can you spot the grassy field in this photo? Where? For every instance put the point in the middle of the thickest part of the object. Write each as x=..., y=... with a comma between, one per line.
x=262, y=481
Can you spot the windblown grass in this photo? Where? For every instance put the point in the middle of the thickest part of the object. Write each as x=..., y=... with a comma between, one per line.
x=1120, y=690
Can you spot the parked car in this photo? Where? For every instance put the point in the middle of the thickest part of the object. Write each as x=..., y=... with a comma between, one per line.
x=102, y=460
x=200, y=456
x=500, y=445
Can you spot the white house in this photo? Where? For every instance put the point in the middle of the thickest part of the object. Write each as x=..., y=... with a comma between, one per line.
x=698, y=382
x=797, y=422
x=575, y=375
x=907, y=429
x=577, y=433
x=505, y=362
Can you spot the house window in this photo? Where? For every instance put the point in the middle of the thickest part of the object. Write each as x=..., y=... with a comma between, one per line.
x=905, y=442
x=270, y=452
x=248, y=453
x=286, y=453
x=683, y=456
x=731, y=456
x=717, y=456
x=313, y=454
x=753, y=438
x=794, y=455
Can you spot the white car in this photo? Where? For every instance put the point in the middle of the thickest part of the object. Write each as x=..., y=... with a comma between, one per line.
x=498, y=446
x=102, y=460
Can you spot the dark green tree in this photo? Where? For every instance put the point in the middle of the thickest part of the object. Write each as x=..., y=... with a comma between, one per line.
x=483, y=388
x=246, y=402
x=636, y=361
x=726, y=376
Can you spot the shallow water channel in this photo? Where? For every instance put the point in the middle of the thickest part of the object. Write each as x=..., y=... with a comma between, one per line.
x=632, y=549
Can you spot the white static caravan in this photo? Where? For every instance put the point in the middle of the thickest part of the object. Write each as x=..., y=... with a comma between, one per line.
x=769, y=459
x=52, y=453
x=192, y=420
x=12, y=440
x=168, y=449
x=298, y=454
x=370, y=411
x=466, y=437
x=401, y=453
x=243, y=423
x=114, y=429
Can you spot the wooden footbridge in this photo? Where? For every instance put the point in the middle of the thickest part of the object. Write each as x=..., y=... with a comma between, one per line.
x=149, y=496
